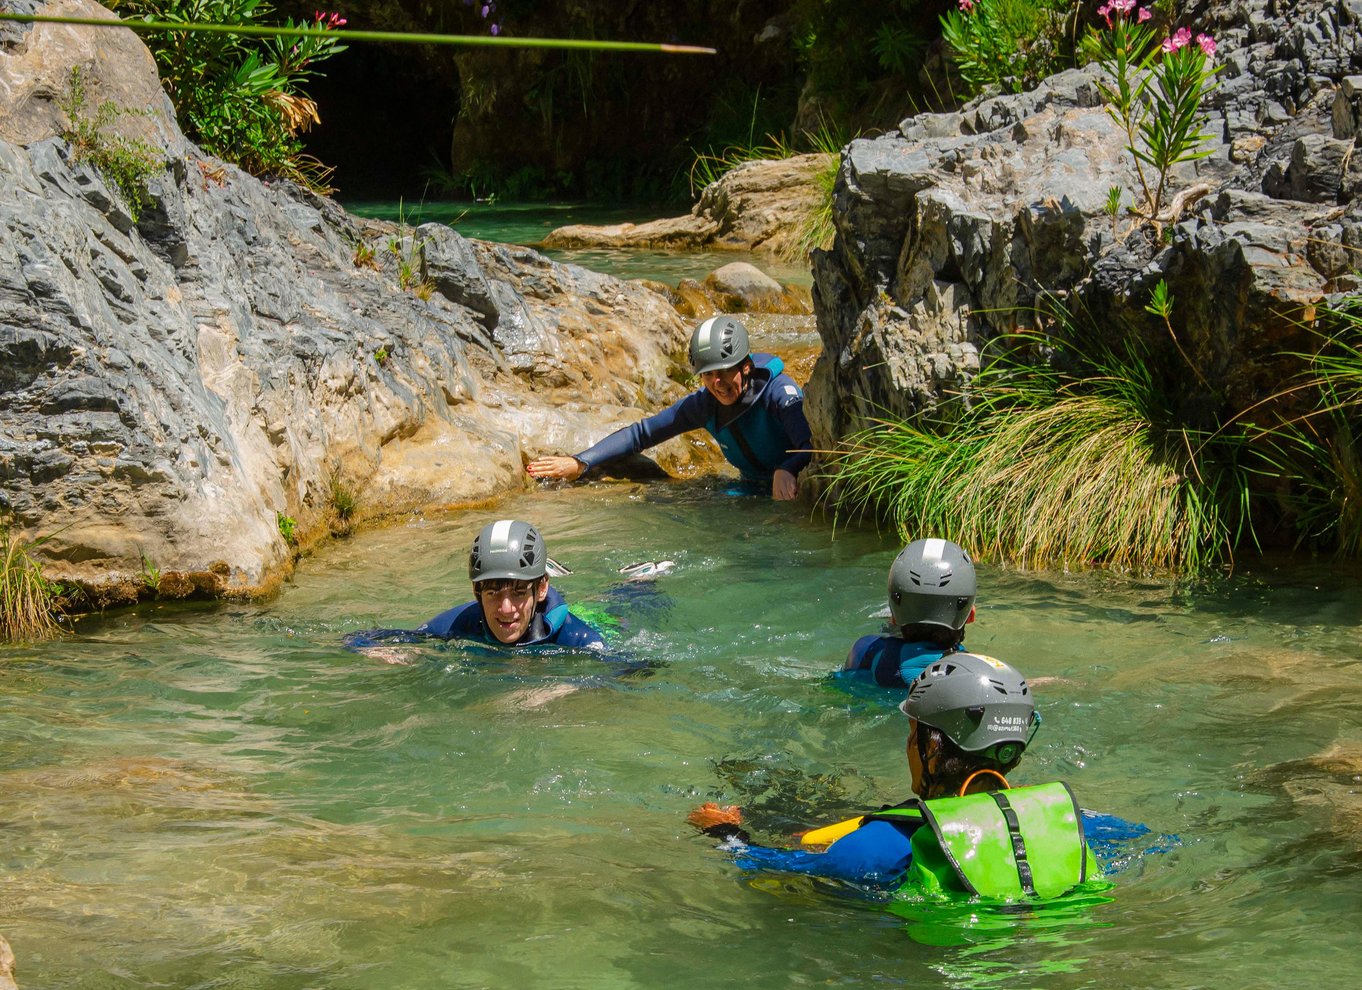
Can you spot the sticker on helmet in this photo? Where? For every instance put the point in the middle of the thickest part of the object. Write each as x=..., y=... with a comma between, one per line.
x=996, y=664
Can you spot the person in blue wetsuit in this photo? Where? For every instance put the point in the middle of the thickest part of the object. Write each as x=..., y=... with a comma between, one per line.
x=513, y=605
x=931, y=599
x=970, y=718
x=752, y=409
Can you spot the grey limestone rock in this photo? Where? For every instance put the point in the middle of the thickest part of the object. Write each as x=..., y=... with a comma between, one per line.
x=950, y=229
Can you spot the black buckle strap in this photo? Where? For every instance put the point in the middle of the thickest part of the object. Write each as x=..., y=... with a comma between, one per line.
x=1018, y=843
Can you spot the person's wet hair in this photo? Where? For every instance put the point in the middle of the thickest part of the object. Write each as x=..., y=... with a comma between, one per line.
x=953, y=764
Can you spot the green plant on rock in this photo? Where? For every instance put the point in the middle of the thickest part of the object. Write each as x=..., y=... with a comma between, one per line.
x=151, y=574
x=816, y=228
x=1154, y=95
x=1010, y=44
x=29, y=603
x=1092, y=466
x=241, y=97
x=288, y=528
x=364, y=255
x=343, y=499
x=409, y=252
x=124, y=163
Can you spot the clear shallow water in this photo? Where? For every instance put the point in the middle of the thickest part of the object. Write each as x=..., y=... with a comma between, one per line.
x=529, y=223
x=198, y=796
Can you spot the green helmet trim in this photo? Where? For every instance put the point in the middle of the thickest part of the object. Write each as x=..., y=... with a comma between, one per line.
x=718, y=343
x=1023, y=842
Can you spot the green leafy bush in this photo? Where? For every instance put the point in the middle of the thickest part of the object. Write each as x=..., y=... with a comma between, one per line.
x=124, y=163
x=1011, y=44
x=241, y=98
x=1155, y=95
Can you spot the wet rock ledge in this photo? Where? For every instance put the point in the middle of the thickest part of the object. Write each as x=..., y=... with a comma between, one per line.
x=175, y=385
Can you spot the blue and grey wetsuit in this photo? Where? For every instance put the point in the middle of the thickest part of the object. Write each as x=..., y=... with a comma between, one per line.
x=890, y=661
x=765, y=430
x=552, y=625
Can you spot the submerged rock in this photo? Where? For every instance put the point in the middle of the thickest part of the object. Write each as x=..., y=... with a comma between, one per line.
x=172, y=389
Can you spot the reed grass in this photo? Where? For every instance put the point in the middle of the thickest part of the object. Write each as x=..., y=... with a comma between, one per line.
x=29, y=603
x=1323, y=444
x=1045, y=469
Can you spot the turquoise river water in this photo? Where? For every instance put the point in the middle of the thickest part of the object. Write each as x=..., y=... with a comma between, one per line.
x=200, y=796
x=529, y=223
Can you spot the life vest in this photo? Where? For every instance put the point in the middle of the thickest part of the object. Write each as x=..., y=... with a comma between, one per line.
x=1015, y=843
x=755, y=442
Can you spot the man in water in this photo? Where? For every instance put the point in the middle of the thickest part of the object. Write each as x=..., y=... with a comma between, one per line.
x=931, y=600
x=970, y=718
x=513, y=603
x=752, y=409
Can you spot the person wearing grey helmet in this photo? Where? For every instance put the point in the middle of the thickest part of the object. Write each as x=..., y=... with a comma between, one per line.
x=932, y=588
x=513, y=602
x=752, y=409
x=970, y=719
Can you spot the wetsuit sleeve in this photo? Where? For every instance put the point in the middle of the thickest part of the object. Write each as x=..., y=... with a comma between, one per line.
x=1119, y=844
x=876, y=854
x=788, y=400
x=579, y=635
x=680, y=417
x=460, y=622
x=858, y=657
x=383, y=637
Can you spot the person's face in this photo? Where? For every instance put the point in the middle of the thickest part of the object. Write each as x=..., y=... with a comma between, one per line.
x=726, y=383
x=508, y=606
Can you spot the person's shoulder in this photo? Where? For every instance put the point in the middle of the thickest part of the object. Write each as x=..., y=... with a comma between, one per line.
x=457, y=621
x=861, y=649
x=780, y=390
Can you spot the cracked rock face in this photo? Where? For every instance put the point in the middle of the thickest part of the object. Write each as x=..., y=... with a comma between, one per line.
x=169, y=386
x=951, y=228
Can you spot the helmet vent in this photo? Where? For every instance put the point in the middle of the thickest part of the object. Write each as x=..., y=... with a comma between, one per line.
x=918, y=578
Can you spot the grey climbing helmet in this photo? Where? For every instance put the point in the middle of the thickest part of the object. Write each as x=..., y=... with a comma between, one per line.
x=510, y=549
x=931, y=582
x=720, y=342
x=977, y=702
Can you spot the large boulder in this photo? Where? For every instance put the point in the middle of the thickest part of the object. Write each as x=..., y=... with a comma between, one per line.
x=950, y=229
x=174, y=384
x=757, y=206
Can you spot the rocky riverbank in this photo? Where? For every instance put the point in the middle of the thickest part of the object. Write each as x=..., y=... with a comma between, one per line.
x=950, y=229
x=188, y=395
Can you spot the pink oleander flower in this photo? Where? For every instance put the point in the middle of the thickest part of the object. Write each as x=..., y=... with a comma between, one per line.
x=1207, y=44
x=966, y=5
x=1121, y=6
x=328, y=20
x=1144, y=15
x=1180, y=39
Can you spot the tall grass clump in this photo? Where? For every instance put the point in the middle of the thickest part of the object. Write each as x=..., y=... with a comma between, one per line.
x=1324, y=443
x=816, y=227
x=1056, y=468
x=29, y=603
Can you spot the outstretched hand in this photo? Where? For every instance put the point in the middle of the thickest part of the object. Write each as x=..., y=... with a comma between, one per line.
x=784, y=486
x=555, y=466
x=710, y=814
